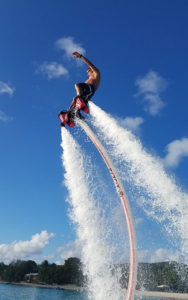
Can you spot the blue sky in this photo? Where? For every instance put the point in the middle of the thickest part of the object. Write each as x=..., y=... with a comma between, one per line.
x=141, y=50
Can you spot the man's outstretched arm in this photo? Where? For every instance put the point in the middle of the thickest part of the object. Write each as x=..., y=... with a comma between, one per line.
x=87, y=61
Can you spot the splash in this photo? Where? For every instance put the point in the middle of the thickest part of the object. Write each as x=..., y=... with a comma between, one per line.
x=160, y=197
x=126, y=208
x=91, y=228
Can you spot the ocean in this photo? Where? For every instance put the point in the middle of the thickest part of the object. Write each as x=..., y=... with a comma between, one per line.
x=16, y=292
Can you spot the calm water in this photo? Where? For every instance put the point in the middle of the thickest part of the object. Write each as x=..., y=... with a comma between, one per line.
x=13, y=292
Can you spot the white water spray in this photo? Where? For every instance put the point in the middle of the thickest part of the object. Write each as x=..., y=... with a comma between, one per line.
x=126, y=208
x=163, y=199
x=96, y=252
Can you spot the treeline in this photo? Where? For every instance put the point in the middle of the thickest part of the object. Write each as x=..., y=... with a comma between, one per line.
x=69, y=273
x=164, y=276
x=170, y=275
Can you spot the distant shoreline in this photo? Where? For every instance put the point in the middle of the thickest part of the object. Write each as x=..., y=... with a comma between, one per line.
x=73, y=287
x=171, y=296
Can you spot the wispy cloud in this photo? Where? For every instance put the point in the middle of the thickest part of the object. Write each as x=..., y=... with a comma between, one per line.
x=159, y=255
x=72, y=249
x=132, y=123
x=4, y=117
x=24, y=249
x=68, y=45
x=176, y=151
x=6, y=89
x=139, y=221
x=150, y=87
x=52, y=70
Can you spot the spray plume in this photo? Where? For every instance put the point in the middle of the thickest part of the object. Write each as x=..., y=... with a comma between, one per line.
x=96, y=252
x=163, y=199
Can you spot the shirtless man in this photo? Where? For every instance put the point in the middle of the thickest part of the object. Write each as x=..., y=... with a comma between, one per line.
x=84, y=92
x=87, y=89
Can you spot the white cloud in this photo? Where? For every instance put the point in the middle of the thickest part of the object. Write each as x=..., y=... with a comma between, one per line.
x=176, y=151
x=132, y=123
x=151, y=83
x=68, y=45
x=150, y=86
x=23, y=249
x=138, y=221
x=72, y=249
x=4, y=117
x=159, y=255
x=6, y=89
x=52, y=70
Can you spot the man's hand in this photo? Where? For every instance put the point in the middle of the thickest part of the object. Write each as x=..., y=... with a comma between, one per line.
x=76, y=54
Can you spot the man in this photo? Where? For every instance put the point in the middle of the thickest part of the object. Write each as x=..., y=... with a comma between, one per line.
x=84, y=92
x=87, y=89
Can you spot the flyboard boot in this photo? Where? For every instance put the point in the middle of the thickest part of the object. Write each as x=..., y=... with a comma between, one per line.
x=81, y=103
x=67, y=117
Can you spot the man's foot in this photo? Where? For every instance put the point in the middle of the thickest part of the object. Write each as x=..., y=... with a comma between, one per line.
x=66, y=118
x=81, y=104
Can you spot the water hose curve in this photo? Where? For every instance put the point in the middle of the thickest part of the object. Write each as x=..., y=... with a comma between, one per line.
x=126, y=207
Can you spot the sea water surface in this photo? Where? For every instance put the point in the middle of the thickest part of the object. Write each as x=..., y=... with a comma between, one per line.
x=16, y=292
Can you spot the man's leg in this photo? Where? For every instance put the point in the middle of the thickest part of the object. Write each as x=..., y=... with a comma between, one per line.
x=79, y=92
x=80, y=101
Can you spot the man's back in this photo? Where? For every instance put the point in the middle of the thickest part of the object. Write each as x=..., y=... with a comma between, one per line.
x=94, y=79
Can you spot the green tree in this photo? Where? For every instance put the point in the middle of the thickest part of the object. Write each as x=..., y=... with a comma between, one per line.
x=73, y=272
